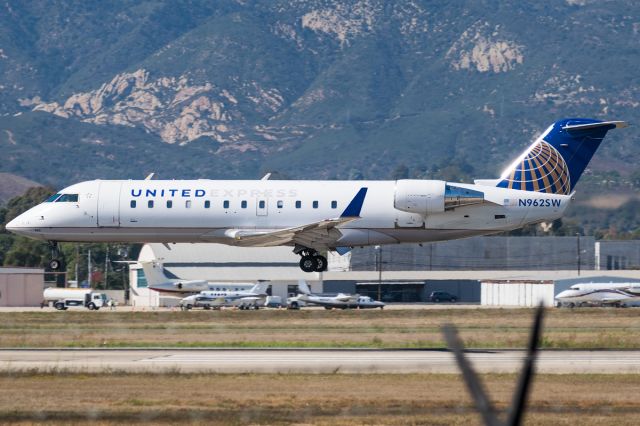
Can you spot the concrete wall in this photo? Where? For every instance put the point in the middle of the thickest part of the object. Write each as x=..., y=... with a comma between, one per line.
x=613, y=255
x=21, y=286
x=480, y=253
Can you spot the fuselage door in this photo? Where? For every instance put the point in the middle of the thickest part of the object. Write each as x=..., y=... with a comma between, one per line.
x=109, y=203
x=261, y=207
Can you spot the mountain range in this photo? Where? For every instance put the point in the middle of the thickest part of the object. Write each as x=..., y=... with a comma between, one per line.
x=309, y=88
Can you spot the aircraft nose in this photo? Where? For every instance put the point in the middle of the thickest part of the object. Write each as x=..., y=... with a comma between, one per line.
x=13, y=225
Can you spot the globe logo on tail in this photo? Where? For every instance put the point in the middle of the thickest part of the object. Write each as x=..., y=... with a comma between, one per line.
x=542, y=169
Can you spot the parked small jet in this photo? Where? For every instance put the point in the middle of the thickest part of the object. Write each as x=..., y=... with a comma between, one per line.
x=250, y=299
x=316, y=216
x=340, y=300
x=158, y=281
x=585, y=294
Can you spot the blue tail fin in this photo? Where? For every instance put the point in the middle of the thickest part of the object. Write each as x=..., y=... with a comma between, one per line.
x=556, y=160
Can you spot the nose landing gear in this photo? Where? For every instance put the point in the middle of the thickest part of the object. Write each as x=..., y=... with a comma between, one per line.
x=311, y=260
x=54, y=263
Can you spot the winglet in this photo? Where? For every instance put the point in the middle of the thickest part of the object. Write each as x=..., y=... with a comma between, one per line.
x=354, y=207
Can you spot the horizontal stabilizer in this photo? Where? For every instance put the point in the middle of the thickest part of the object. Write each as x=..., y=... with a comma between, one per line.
x=609, y=124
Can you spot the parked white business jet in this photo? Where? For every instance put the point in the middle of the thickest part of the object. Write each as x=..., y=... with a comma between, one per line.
x=312, y=216
x=158, y=281
x=585, y=294
x=339, y=301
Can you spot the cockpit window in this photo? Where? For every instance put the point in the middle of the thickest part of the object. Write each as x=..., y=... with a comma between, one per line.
x=68, y=198
x=52, y=198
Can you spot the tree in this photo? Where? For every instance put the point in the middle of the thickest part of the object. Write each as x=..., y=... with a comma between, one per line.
x=400, y=172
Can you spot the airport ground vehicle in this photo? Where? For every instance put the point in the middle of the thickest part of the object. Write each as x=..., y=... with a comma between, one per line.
x=294, y=302
x=273, y=302
x=65, y=298
x=442, y=296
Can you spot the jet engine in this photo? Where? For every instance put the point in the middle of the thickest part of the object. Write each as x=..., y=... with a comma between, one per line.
x=432, y=196
x=195, y=285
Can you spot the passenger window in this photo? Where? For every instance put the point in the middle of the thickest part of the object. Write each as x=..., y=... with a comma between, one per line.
x=261, y=204
x=133, y=204
x=187, y=204
x=169, y=204
x=334, y=204
x=298, y=204
x=225, y=204
x=243, y=204
x=315, y=204
x=207, y=204
x=150, y=204
x=280, y=204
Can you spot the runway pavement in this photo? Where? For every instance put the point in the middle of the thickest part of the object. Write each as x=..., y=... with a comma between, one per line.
x=310, y=361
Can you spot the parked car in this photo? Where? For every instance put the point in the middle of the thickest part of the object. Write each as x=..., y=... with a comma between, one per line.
x=442, y=296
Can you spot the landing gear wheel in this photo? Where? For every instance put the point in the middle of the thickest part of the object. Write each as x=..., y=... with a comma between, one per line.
x=308, y=263
x=321, y=263
x=54, y=263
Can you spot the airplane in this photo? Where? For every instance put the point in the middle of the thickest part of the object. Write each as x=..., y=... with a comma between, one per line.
x=617, y=294
x=158, y=281
x=318, y=216
x=340, y=300
x=244, y=299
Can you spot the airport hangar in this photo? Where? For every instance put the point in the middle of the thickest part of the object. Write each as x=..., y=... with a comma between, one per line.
x=502, y=271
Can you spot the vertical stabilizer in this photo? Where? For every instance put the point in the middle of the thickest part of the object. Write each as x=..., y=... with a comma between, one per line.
x=154, y=273
x=555, y=161
x=303, y=287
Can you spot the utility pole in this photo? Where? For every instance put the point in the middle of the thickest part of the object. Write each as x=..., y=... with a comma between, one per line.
x=379, y=267
x=106, y=268
x=89, y=267
x=578, y=247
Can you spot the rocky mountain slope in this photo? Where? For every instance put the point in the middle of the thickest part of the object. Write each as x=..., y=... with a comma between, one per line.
x=312, y=88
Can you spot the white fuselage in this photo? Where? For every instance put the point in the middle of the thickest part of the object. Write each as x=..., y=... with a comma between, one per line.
x=206, y=210
x=343, y=301
x=600, y=294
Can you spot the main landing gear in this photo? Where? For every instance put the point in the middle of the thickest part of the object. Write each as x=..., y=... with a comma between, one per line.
x=311, y=260
x=54, y=263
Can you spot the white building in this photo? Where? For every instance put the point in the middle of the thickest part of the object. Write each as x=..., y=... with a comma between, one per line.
x=21, y=286
x=220, y=263
x=516, y=293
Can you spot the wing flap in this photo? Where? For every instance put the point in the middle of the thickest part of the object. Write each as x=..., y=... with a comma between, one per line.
x=317, y=234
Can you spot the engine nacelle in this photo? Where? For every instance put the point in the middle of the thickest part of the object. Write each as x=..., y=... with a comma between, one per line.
x=432, y=196
x=194, y=285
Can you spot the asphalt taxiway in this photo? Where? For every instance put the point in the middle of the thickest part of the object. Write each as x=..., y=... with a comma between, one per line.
x=311, y=361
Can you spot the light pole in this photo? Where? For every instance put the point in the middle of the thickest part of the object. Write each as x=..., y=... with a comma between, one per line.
x=379, y=267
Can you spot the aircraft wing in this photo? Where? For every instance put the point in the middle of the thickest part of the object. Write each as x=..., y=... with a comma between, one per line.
x=345, y=297
x=317, y=235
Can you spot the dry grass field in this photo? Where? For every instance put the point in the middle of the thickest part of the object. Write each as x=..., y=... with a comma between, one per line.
x=118, y=398
x=305, y=399
x=480, y=328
